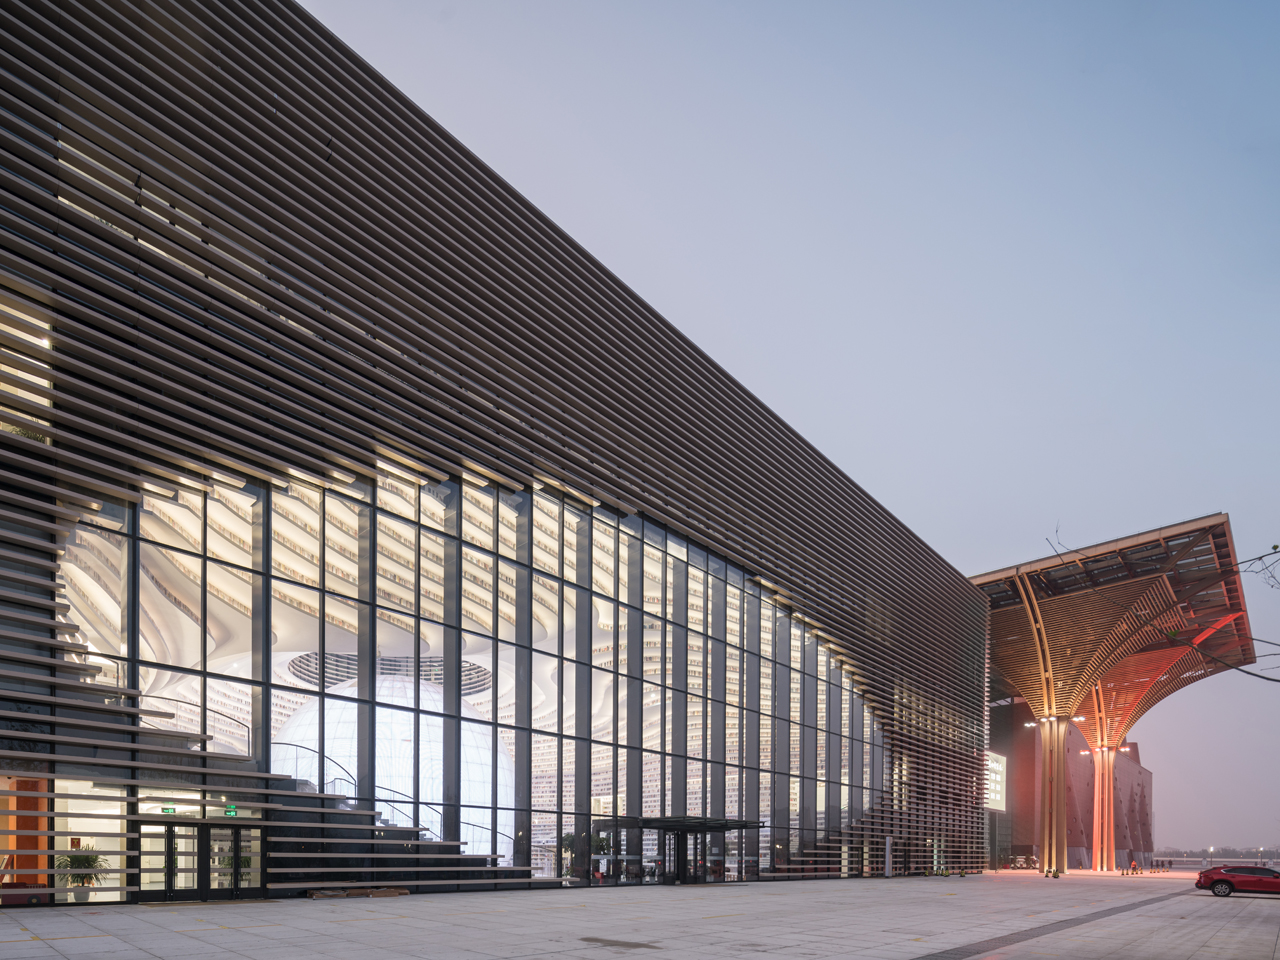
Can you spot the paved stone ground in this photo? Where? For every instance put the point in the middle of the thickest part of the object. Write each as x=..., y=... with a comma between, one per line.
x=901, y=919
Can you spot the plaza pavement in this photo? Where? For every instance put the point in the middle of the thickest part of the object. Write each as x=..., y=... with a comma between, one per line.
x=1007, y=915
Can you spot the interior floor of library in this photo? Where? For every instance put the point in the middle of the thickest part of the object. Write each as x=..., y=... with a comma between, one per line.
x=1008, y=914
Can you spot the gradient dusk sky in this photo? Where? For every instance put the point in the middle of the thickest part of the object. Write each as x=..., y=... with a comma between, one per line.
x=1012, y=266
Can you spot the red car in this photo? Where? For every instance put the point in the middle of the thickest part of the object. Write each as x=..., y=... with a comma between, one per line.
x=1224, y=881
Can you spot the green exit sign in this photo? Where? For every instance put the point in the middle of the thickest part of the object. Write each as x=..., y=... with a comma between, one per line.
x=231, y=806
x=231, y=813
x=168, y=810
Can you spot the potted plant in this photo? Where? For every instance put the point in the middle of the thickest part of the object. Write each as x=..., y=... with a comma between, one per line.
x=87, y=865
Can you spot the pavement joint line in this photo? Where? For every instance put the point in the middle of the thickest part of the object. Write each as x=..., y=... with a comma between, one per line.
x=1009, y=939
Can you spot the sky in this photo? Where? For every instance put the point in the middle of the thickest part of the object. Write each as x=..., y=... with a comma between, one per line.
x=1013, y=267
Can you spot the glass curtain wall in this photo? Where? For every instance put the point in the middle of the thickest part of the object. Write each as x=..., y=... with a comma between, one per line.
x=510, y=669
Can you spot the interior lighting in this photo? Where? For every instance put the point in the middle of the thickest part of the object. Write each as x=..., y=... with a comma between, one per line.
x=1084, y=753
x=1029, y=724
x=1077, y=719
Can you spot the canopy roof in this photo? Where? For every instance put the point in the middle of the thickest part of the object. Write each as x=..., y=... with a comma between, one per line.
x=1102, y=634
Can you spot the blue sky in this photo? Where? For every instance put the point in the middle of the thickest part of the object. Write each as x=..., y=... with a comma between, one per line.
x=1012, y=266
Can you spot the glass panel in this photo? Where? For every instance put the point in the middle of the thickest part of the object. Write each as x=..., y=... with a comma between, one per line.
x=233, y=515
x=477, y=516
x=669, y=590
x=176, y=521
x=766, y=630
x=169, y=596
x=341, y=645
x=342, y=545
x=695, y=805
x=477, y=829
x=602, y=791
x=569, y=635
x=153, y=847
x=397, y=495
x=676, y=547
x=94, y=573
x=545, y=695
x=295, y=736
x=652, y=580
x=601, y=705
x=431, y=577
x=397, y=571
x=822, y=705
x=697, y=599
x=696, y=647
x=568, y=699
x=546, y=534
x=732, y=753
x=341, y=742
x=651, y=784
x=651, y=732
x=393, y=666
x=250, y=859
x=602, y=632
x=733, y=618
x=603, y=559
x=229, y=714
x=505, y=687
x=430, y=773
x=437, y=503
x=693, y=725
x=477, y=675
x=508, y=600
x=545, y=844
x=222, y=860
x=229, y=597
x=733, y=676
x=477, y=591
x=652, y=668
x=568, y=782
x=185, y=849
x=546, y=615
x=623, y=688
x=295, y=534
x=393, y=763
x=546, y=772
x=624, y=640
x=431, y=664
x=477, y=766
x=576, y=524
x=512, y=507
x=295, y=635
x=630, y=567
x=92, y=809
x=175, y=693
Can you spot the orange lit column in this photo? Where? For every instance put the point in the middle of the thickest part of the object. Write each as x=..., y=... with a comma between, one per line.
x=1104, y=809
x=1053, y=794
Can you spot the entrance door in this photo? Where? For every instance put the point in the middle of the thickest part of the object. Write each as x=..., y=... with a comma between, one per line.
x=180, y=861
x=691, y=857
x=234, y=863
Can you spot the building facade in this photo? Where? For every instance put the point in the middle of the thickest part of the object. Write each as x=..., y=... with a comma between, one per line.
x=357, y=528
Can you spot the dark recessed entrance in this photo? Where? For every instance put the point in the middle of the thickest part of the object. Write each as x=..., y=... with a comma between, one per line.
x=689, y=849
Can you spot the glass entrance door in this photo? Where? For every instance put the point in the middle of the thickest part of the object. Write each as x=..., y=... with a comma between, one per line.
x=234, y=863
x=179, y=861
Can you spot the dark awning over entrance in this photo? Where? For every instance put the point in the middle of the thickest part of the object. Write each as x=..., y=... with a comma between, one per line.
x=677, y=824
